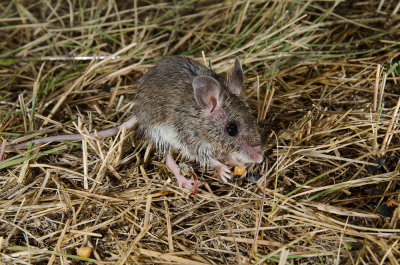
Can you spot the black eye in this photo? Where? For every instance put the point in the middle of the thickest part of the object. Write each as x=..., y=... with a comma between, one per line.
x=232, y=129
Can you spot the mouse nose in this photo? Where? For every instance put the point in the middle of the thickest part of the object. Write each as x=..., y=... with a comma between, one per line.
x=258, y=159
x=255, y=153
x=258, y=155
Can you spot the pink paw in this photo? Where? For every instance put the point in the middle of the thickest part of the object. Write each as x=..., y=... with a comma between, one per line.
x=189, y=184
x=185, y=183
x=223, y=172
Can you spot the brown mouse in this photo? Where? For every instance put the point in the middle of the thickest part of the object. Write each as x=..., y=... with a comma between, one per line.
x=182, y=105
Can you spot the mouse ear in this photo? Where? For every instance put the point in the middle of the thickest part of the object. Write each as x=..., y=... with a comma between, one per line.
x=207, y=92
x=235, y=79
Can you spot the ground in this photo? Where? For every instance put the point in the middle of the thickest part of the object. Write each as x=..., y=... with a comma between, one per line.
x=322, y=78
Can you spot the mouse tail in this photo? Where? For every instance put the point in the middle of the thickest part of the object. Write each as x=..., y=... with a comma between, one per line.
x=55, y=138
x=129, y=124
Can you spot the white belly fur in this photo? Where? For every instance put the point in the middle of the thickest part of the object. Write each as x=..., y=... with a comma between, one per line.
x=166, y=138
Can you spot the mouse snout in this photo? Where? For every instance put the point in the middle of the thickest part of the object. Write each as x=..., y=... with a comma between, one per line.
x=254, y=153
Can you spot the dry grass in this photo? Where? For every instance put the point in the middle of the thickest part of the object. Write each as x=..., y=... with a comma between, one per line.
x=323, y=77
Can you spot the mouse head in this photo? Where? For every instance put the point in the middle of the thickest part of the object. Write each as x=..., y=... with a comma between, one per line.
x=236, y=133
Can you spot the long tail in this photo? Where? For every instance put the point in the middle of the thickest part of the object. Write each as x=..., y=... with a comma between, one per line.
x=76, y=137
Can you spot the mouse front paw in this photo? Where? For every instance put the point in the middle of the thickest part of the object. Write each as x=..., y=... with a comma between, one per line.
x=223, y=172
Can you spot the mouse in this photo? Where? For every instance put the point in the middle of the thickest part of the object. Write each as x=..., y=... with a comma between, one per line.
x=181, y=105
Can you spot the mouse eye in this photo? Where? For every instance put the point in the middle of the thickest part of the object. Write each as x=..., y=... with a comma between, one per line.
x=232, y=129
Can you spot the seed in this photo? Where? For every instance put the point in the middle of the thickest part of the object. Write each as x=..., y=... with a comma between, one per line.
x=84, y=252
x=239, y=170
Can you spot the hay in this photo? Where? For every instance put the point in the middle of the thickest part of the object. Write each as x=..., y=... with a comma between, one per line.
x=321, y=76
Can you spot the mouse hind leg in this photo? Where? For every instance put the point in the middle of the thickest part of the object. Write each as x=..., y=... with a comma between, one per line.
x=189, y=184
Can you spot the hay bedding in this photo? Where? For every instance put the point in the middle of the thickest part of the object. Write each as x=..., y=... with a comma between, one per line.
x=322, y=77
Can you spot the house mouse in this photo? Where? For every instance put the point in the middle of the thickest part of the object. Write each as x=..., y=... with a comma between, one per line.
x=182, y=105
